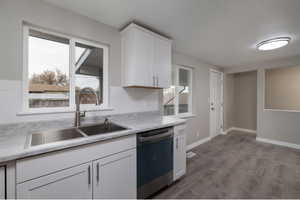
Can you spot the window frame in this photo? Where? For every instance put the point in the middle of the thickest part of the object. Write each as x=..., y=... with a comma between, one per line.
x=72, y=106
x=176, y=99
x=264, y=92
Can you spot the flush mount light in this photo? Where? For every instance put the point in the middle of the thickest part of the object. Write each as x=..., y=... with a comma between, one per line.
x=274, y=43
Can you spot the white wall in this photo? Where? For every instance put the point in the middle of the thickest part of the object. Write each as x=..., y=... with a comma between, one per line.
x=274, y=125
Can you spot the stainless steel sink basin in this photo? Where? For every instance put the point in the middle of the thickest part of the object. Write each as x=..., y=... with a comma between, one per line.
x=72, y=133
x=54, y=136
x=101, y=129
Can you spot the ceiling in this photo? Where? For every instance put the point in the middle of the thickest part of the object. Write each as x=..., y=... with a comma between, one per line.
x=219, y=32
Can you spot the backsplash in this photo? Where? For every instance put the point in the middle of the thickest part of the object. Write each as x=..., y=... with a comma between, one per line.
x=29, y=127
x=122, y=100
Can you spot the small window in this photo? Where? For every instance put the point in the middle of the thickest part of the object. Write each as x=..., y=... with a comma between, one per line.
x=89, y=72
x=58, y=67
x=183, y=90
x=282, y=88
x=178, y=98
x=169, y=97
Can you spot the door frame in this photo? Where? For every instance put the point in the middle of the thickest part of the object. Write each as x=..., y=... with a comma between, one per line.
x=222, y=101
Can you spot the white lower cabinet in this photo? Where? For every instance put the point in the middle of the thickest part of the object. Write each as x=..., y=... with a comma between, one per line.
x=179, y=152
x=115, y=176
x=112, y=177
x=98, y=171
x=2, y=183
x=75, y=182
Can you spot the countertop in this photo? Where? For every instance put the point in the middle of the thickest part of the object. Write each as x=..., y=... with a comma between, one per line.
x=13, y=136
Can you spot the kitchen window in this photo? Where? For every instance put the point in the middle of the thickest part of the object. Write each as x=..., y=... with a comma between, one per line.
x=57, y=67
x=177, y=100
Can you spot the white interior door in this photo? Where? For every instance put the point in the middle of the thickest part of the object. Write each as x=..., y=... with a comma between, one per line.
x=216, y=102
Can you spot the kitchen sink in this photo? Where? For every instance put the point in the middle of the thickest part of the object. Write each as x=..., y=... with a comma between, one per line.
x=71, y=133
x=54, y=136
x=101, y=129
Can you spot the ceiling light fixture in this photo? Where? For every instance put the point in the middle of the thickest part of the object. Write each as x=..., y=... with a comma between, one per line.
x=274, y=43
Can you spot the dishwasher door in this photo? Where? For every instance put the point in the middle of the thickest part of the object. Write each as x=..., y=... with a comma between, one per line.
x=154, y=161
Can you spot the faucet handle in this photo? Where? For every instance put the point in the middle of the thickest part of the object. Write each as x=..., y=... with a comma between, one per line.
x=83, y=114
x=107, y=122
x=107, y=119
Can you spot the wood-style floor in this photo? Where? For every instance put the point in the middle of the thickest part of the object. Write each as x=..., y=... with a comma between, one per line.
x=237, y=166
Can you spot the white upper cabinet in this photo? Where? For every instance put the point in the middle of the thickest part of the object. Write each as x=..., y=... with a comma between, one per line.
x=162, y=63
x=146, y=58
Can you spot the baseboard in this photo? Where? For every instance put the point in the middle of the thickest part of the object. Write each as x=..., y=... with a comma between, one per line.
x=195, y=144
x=227, y=131
x=244, y=130
x=238, y=129
x=276, y=142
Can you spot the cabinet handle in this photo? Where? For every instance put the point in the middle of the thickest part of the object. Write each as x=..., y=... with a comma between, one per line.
x=176, y=143
x=98, y=172
x=89, y=175
x=157, y=78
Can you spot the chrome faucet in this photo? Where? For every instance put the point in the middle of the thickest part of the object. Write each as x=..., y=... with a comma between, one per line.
x=78, y=113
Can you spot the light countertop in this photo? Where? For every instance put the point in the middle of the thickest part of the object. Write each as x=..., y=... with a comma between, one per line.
x=13, y=136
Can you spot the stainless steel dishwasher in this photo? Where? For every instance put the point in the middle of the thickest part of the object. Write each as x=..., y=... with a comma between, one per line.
x=154, y=161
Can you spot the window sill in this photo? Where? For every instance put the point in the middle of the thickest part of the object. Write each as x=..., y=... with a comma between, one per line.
x=184, y=116
x=57, y=111
x=279, y=110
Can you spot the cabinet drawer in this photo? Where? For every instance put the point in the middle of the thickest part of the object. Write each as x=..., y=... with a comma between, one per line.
x=37, y=166
x=75, y=182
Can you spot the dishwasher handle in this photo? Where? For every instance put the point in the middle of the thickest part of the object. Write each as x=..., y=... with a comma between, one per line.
x=155, y=138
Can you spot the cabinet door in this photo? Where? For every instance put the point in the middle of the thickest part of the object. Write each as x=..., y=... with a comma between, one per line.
x=179, y=152
x=75, y=182
x=162, y=63
x=140, y=72
x=115, y=176
x=2, y=182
